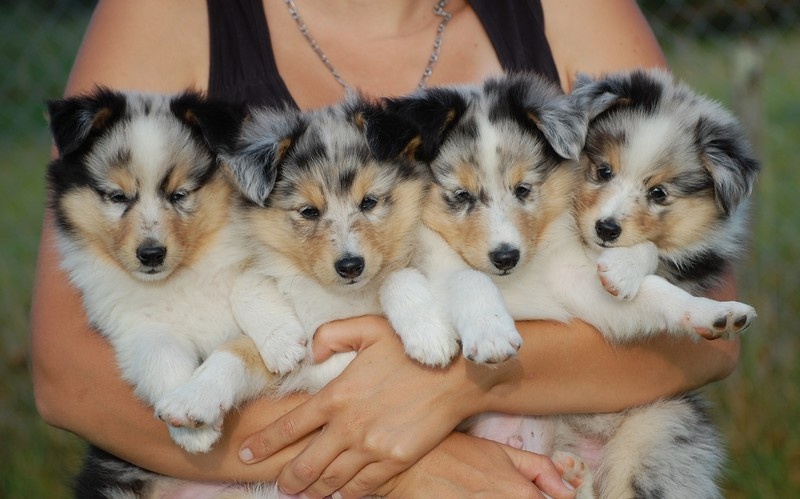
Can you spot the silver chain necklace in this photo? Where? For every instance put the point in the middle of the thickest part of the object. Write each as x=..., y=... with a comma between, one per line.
x=438, y=10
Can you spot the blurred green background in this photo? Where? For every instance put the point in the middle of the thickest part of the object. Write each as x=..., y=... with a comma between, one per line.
x=745, y=53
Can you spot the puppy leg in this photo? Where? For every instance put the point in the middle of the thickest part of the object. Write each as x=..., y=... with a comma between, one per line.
x=669, y=449
x=418, y=318
x=487, y=330
x=623, y=269
x=658, y=307
x=686, y=313
x=154, y=360
x=195, y=410
x=270, y=321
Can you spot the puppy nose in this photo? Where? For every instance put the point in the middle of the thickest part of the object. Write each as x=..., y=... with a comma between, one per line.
x=349, y=266
x=151, y=253
x=607, y=229
x=505, y=257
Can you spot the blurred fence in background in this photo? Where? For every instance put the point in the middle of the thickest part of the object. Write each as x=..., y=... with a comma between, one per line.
x=745, y=53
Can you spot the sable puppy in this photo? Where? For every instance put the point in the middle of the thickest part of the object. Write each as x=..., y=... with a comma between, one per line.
x=520, y=221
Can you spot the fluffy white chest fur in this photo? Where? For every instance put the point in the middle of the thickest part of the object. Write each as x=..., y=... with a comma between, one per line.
x=160, y=330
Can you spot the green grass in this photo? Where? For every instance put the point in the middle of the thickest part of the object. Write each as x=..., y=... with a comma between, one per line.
x=757, y=408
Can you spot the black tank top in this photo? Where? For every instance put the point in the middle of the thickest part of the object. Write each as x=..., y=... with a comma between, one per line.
x=243, y=68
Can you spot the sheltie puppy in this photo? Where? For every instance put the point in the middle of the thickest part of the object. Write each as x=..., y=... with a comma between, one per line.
x=517, y=207
x=145, y=225
x=334, y=198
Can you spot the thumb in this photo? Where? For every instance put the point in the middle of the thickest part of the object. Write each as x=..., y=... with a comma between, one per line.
x=348, y=335
x=541, y=471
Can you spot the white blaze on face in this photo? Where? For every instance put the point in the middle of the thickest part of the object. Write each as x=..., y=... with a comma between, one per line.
x=502, y=230
x=644, y=149
x=148, y=143
x=345, y=239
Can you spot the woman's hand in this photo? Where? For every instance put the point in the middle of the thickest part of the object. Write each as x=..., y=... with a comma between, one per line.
x=467, y=466
x=381, y=415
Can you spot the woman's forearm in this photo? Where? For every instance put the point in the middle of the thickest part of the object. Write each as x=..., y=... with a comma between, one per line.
x=572, y=369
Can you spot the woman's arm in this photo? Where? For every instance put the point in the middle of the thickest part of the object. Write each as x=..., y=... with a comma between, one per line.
x=598, y=36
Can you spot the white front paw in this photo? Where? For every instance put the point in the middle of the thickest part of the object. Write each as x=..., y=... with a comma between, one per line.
x=194, y=414
x=285, y=349
x=619, y=275
x=195, y=440
x=433, y=343
x=712, y=319
x=622, y=269
x=492, y=340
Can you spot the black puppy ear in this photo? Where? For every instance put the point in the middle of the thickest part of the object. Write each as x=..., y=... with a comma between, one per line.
x=433, y=113
x=538, y=102
x=216, y=122
x=728, y=158
x=640, y=89
x=266, y=138
x=389, y=135
x=76, y=121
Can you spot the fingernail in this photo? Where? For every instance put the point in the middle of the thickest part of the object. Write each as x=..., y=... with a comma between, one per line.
x=337, y=495
x=568, y=485
x=246, y=455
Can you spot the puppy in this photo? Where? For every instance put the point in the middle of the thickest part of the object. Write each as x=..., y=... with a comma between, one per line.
x=334, y=198
x=146, y=229
x=516, y=208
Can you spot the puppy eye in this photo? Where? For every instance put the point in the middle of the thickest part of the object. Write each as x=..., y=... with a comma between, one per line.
x=309, y=212
x=368, y=203
x=604, y=172
x=462, y=196
x=178, y=196
x=657, y=194
x=522, y=191
x=116, y=197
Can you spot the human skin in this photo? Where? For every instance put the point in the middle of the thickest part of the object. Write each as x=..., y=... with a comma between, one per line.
x=151, y=45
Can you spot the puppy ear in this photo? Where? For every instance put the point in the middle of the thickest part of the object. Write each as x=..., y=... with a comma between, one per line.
x=265, y=139
x=215, y=122
x=433, y=113
x=592, y=96
x=76, y=121
x=389, y=135
x=726, y=154
x=537, y=102
x=641, y=89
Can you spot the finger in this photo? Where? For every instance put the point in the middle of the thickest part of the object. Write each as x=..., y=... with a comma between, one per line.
x=350, y=335
x=305, y=469
x=332, y=338
x=541, y=471
x=343, y=469
x=281, y=433
x=366, y=481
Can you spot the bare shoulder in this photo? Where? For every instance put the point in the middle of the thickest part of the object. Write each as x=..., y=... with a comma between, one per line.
x=144, y=45
x=599, y=36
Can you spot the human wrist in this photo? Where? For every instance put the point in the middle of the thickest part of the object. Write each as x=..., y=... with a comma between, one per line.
x=475, y=388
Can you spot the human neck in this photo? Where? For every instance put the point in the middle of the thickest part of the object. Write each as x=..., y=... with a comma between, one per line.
x=387, y=17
